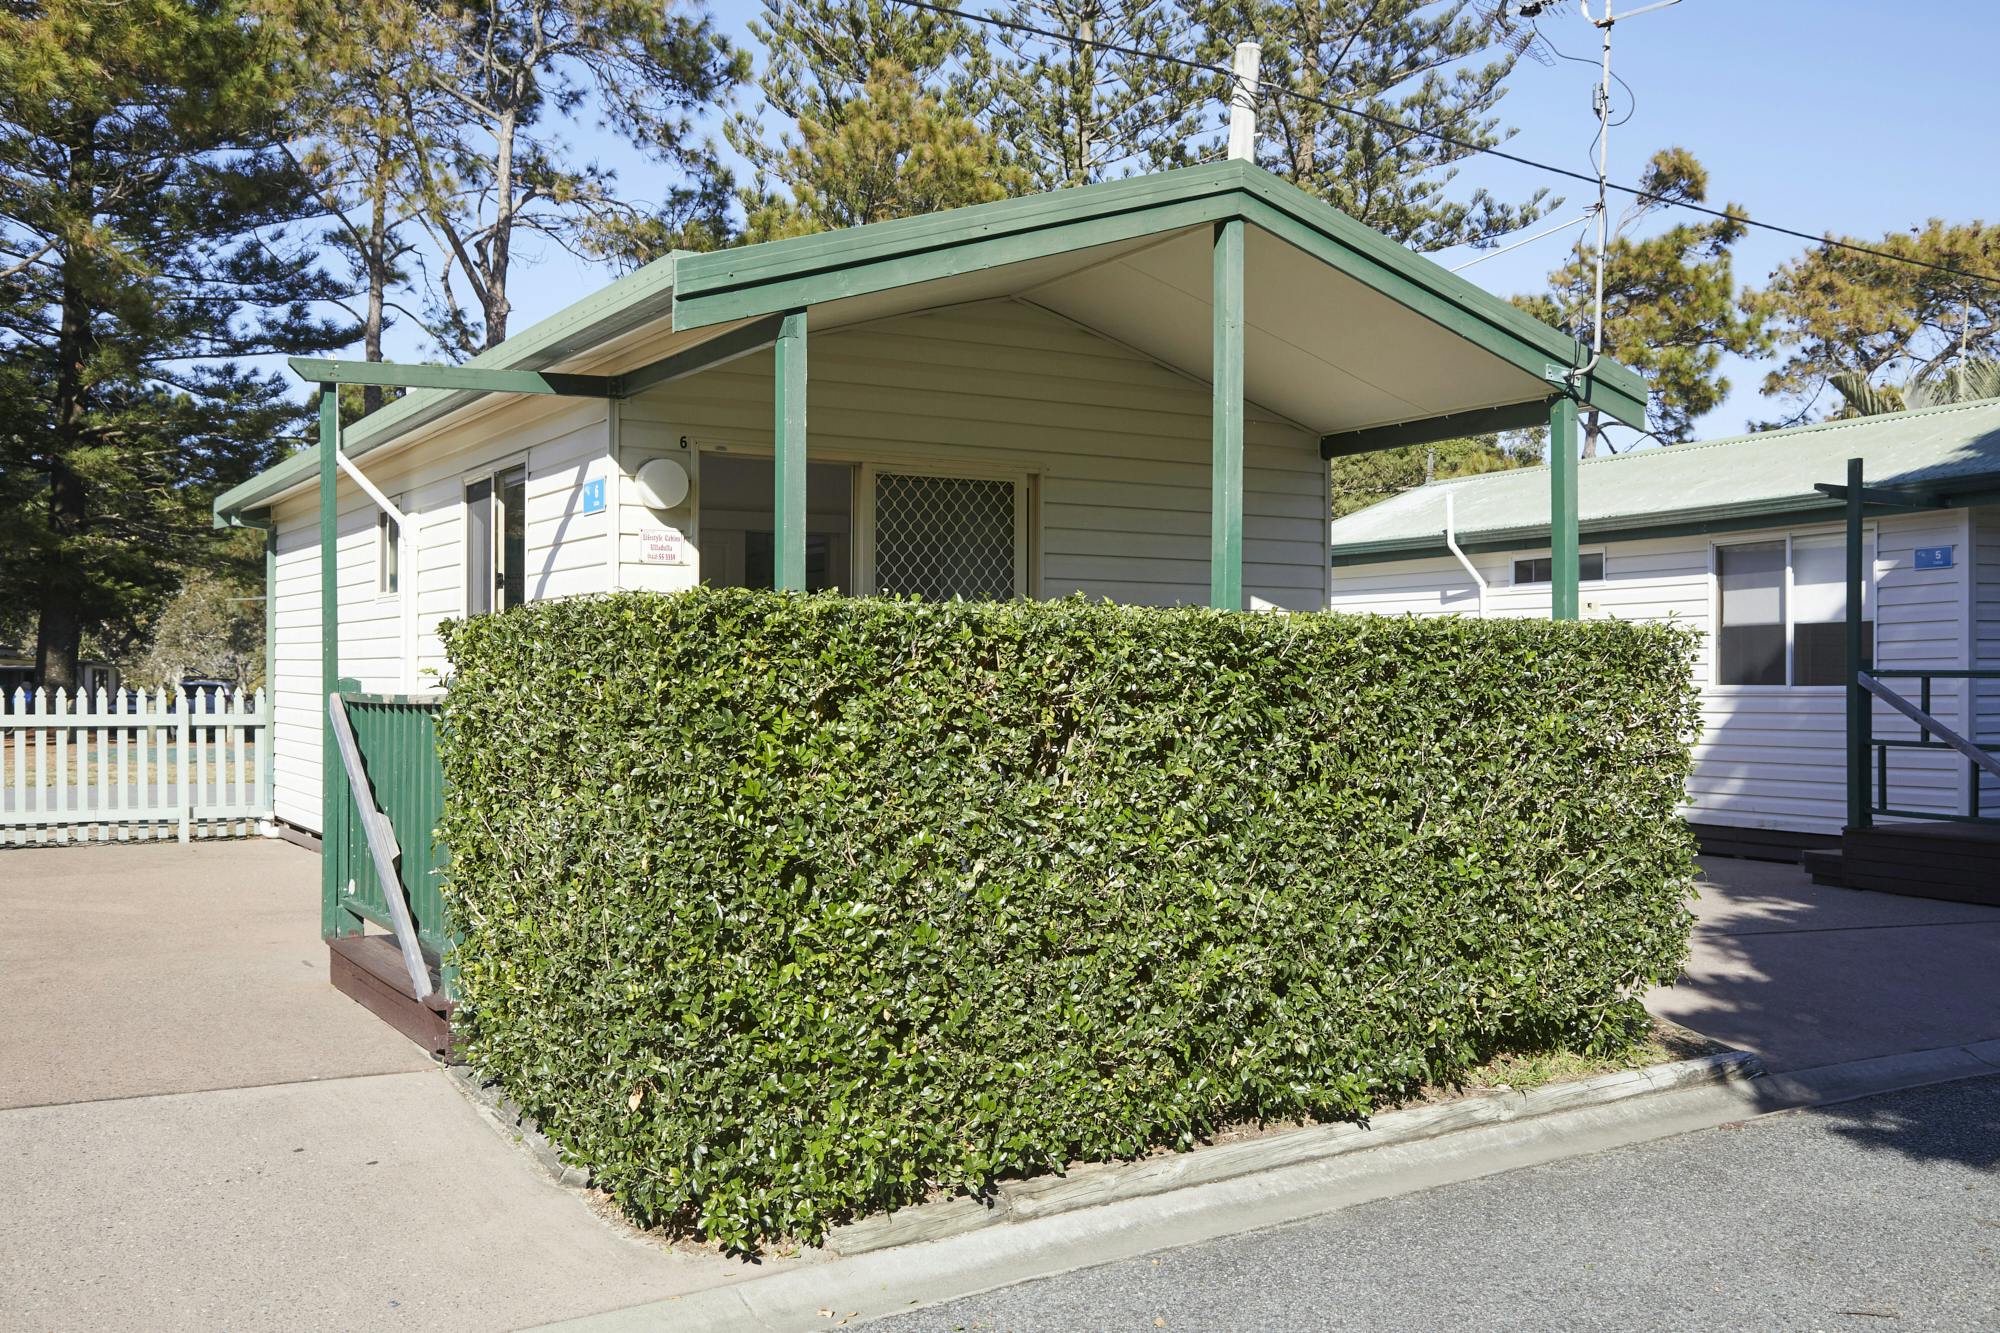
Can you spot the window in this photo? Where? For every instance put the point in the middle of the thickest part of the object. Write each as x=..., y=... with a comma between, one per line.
x=388, y=554
x=1541, y=568
x=1782, y=612
x=496, y=541
x=1750, y=648
x=1819, y=611
x=945, y=537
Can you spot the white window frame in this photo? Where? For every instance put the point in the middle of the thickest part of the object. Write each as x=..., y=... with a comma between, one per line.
x=1025, y=526
x=497, y=533
x=1602, y=552
x=384, y=551
x=1869, y=607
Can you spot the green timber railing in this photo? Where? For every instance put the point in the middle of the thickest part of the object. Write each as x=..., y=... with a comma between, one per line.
x=1933, y=737
x=1866, y=684
x=396, y=735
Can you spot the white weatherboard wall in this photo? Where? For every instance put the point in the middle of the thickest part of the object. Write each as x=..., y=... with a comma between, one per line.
x=1114, y=449
x=1769, y=757
x=390, y=644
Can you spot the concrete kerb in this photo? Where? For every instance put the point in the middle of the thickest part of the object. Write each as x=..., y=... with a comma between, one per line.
x=1575, y=1119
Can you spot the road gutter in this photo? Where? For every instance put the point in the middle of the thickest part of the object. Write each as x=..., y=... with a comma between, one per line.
x=906, y=1277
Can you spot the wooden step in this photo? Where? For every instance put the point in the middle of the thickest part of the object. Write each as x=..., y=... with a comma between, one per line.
x=369, y=970
x=1823, y=865
x=1957, y=862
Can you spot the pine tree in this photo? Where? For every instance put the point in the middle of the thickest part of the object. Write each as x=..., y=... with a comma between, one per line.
x=1882, y=321
x=149, y=238
x=1409, y=63
x=1077, y=111
x=492, y=165
x=894, y=151
x=371, y=96
x=1670, y=307
x=820, y=57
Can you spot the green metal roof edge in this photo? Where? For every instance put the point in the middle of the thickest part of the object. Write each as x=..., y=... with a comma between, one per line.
x=1668, y=521
x=799, y=261
x=615, y=309
x=806, y=270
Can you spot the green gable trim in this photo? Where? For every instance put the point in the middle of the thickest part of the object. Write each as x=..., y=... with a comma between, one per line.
x=1457, y=425
x=791, y=274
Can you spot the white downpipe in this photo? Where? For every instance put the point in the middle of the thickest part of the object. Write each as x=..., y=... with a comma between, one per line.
x=369, y=488
x=1451, y=544
x=1243, y=103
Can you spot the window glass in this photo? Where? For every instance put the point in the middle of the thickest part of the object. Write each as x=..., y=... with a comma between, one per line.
x=1751, y=645
x=1819, y=610
x=1541, y=568
x=512, y=486
x=388, y=556
x=479, y=547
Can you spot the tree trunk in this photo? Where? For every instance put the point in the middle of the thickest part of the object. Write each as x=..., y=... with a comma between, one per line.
x=59, y=614
x=495, y=276
x=377, y=260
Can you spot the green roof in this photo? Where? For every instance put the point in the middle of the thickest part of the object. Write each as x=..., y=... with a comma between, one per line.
x=926, y=255
x=1714, y=485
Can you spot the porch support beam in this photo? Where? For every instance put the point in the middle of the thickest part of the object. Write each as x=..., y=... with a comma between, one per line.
x=1225, y=547
x=1564, y=602
x=788, y=498
x=1860, y=710
x=1429, y=430
x=739, y=342
x=393, y=374
x=333, y=921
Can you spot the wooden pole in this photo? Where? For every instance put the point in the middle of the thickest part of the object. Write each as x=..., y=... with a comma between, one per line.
x=1225, y=550
x=788, y=499
x=1859, y=815
x=1564, y=601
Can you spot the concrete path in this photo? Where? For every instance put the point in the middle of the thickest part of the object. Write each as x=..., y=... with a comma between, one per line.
x=1806, y=975
x=197, y=1131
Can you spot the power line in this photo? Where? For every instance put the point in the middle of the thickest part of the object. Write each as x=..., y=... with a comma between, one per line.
x=1463, y=145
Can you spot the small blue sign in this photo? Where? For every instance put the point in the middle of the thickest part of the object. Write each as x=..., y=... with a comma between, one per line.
x=1934, y=557
x=593, y=496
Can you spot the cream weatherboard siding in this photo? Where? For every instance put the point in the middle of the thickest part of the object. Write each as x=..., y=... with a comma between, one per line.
x=1114, y=446
x=1111, y=447
x=1769, y=756
x=390, y=644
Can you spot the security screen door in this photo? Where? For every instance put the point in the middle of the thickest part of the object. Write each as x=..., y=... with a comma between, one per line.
x=939, y=536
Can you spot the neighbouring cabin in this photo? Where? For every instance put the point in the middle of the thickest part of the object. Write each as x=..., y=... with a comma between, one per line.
x=1734, y=537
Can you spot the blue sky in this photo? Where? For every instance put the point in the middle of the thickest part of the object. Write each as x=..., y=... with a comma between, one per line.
x=1813, y=114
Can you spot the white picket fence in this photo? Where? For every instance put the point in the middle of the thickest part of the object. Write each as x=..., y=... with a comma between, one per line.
x=116, y=766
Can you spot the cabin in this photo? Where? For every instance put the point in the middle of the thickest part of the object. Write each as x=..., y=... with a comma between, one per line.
x=1740, y=539
x=1120, y=390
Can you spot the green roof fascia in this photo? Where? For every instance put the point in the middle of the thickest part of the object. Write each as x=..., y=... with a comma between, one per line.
x=1682, y=523
x=406, y=375
x=631, y=301
x=801, y=271
x=1429, y=430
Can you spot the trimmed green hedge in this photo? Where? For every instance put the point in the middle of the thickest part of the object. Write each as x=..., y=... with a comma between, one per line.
x=780, y=909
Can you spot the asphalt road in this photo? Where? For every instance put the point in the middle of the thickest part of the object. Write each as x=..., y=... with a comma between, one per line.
x=1874, y=1215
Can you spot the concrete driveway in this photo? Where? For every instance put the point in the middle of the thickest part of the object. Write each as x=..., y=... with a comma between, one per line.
x=197, y=1131
x=1806, y=975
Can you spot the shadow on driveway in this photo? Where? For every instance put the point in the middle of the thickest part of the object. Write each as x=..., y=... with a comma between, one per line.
x=1806, y=975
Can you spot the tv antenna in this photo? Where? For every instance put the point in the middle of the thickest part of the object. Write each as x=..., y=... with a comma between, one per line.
x=1604, y=23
